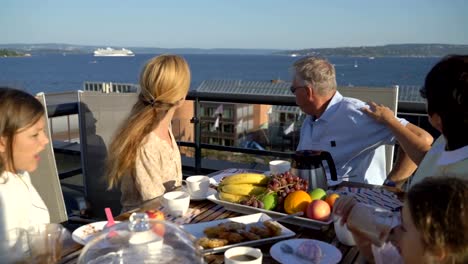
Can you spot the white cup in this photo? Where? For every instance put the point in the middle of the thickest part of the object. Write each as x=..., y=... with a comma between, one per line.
x=177, y=203
x=279, y=166
x=243, y=255
x=342, y=233
x=197, y=185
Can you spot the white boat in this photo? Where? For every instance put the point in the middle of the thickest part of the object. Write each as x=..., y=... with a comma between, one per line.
x=110, y=52
x=293, y=55
x=355, y=64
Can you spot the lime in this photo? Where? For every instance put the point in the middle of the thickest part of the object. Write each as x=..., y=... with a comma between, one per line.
x=318, y=194
x=270, y=201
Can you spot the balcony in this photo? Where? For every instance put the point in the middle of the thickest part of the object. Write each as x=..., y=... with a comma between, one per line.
x=250, y=131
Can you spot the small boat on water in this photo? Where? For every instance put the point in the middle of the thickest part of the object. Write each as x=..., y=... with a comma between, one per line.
x=355, y=64
x=110, y=52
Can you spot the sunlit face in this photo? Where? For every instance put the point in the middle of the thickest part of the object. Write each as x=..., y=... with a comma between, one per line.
x=408, y=239
x=300, y=92
x=27, y=144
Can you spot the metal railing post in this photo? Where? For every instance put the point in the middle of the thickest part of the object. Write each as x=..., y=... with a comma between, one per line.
x=197, y=131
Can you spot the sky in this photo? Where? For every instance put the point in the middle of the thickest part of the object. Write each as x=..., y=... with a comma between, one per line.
x=251, y=24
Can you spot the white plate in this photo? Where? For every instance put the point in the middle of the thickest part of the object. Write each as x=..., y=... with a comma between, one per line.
x=197, y=231
x=84, y=234
x=330, y=254
x=295, y=220
x=211, y=191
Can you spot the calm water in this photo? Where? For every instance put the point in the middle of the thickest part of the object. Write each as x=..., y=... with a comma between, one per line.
x=54, y=73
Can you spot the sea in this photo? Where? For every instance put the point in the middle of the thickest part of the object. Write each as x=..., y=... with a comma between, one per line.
x=64, y=72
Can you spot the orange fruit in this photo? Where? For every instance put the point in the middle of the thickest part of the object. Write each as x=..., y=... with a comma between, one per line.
x=296, y=202
x=331, y=199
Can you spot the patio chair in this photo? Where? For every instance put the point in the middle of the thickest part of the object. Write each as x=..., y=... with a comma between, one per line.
x=387, y=96
x=99, y=117
x=46, y=179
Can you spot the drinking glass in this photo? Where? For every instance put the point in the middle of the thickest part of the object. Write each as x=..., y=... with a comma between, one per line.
x=14, y=246
x=371, y=223
x=46, y=241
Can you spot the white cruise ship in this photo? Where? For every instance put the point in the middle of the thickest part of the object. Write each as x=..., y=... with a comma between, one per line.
x=110, y=52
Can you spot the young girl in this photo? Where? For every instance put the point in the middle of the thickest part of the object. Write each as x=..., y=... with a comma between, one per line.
x=22, y=138
x=143, y=157
x=434, y=223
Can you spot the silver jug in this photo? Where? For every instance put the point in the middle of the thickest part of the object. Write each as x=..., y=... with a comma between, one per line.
x=308, y=165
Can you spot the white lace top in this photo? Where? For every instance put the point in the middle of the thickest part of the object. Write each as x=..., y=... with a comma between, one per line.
x=158, y=170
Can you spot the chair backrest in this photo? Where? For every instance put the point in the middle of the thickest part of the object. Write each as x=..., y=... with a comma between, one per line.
x=100, y=115
x=46, y=179
x=387, y=96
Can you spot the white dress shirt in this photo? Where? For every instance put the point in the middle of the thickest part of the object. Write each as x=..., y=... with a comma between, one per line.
x=355, y=140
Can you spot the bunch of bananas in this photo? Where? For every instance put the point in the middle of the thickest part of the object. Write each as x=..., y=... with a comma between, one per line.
x=238, y=187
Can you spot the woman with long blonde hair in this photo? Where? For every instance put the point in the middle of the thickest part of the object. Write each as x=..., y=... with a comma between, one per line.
x=144, y=158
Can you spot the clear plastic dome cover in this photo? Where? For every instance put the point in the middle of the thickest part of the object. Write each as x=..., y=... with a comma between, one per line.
x=142, y=240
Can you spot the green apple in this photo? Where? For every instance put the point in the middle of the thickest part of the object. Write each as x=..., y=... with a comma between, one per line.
x=270, y=201
x=318, y=194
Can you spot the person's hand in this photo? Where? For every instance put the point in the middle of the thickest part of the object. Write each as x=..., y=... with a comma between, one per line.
x=379, y=112
x=343, y=207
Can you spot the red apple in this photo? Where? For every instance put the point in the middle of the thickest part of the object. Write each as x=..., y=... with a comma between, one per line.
x=318, y=210
x=157, y=215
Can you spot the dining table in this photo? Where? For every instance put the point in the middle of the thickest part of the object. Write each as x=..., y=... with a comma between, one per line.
x=206, y=210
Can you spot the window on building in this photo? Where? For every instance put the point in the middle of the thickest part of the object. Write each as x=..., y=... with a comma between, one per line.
x=228, y=113
x=228, y=128
x=250, y=107
x=282, y=117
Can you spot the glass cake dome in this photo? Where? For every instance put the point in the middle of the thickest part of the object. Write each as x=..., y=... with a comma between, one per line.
x=142, y=240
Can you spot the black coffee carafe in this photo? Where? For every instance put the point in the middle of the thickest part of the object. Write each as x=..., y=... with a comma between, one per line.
x=308, y=165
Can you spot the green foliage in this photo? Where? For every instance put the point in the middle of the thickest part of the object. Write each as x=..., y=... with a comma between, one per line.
x=394, y=50
x=9, y=53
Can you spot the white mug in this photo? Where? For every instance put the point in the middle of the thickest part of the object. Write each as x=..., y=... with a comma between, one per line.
x=243, y=255
x=177, y=203
x=279, y=166
x=197, y=185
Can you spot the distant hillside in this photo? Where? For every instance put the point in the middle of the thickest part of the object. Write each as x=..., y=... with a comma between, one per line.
x=394, y=50
x=83, y=49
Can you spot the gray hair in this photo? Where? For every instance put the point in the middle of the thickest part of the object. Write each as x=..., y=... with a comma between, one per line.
x=317, y=72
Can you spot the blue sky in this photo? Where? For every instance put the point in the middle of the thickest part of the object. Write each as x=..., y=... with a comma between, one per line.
x=291, y=24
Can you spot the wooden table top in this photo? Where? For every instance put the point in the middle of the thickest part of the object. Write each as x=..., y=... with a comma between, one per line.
x=209, y=211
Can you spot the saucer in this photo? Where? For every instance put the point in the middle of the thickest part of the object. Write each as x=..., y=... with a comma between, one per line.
x=210, y=191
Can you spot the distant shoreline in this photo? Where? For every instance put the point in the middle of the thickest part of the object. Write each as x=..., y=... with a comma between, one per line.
x=393, y=50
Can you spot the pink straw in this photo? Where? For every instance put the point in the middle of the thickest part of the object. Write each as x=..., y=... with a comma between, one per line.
x=110, y=218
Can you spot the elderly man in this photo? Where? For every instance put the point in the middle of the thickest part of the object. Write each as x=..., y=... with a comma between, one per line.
x=338, y=125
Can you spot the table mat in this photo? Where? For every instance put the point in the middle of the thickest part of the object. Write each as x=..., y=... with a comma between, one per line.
x=377, y=197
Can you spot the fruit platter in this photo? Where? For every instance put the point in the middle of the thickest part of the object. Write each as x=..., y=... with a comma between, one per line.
x=277, y=196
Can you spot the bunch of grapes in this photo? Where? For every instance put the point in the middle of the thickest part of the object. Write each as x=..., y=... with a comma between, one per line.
x=253, y=201
x=284, y=184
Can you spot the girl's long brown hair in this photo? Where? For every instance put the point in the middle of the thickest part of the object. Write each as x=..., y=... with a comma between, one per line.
x=164, y=81
x=18, y=110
